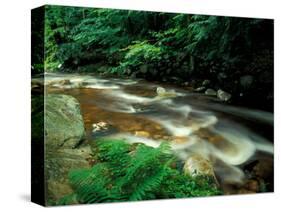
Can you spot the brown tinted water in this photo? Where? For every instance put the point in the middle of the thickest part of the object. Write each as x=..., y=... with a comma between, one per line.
x=234, y=139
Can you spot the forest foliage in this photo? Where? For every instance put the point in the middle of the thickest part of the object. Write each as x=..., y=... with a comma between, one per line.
x=162, y=46
x=126, y=40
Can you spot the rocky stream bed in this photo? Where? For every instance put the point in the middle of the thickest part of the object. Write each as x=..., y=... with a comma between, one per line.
x=232, y=144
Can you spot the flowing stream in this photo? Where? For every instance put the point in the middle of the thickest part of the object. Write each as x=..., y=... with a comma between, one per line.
x=230, y=137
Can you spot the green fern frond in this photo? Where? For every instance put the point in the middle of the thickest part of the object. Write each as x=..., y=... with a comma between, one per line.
x=128, y=173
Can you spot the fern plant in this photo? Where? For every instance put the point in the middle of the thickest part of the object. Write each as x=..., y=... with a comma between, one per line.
x=127, y=172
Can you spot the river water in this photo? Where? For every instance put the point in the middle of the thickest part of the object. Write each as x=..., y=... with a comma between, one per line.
x=230, y=137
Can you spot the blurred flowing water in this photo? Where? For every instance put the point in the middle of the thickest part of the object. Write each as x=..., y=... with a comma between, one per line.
x=230, y=137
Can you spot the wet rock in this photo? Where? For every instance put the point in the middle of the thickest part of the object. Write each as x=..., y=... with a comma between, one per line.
x=206, y=83
x=64, y=82
x=210, y=92
x=102, y=129
x=200, y=89
x=78, y=85
x=64, y=130
x=246, y=81
x=63, y=121
x=142, y=134
x=100, y=126
x=162, y=92
x=224, y=96
x=196, y=165
x=260, y=174
x=263, y=168
x=141, y=107
x=186, y=84
x=55, y=83
x=252, y=185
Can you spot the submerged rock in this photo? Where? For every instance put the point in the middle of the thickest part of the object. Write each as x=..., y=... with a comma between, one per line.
x=210, y=92
x=78, y=85
x=56, y=82
x=142, y=134
x=65, y=82
x=63, y=121
x=224, y=96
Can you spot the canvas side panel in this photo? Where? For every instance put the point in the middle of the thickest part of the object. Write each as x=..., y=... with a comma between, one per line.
x=37, y=106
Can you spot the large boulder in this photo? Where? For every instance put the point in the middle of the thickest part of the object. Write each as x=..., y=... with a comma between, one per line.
x=64, y=131
x=63, y=121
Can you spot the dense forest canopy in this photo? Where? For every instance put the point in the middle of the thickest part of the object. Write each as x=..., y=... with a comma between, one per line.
x=236, y=54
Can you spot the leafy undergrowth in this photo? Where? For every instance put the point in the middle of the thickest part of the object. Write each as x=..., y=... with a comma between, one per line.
x=125, y=172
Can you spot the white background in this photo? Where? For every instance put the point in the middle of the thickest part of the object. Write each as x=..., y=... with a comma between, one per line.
x=15, y=104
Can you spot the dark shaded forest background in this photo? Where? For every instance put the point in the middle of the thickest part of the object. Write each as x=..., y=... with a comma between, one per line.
x=235, y=54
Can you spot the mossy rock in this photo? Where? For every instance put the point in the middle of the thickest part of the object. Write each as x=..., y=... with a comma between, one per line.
x=63, y=121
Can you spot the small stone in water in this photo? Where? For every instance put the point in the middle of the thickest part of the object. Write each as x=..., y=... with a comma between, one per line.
x=157, y=137
x=210, y=92
x=253, y=185
x=179, y=139
x=160, y=90
x=224, y=96
x=100, y=126
x=142, y=134
x=196, y=165
x=200, y=89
